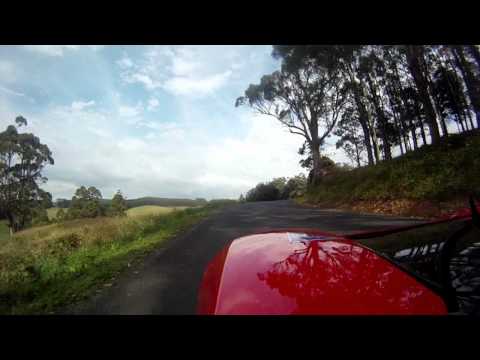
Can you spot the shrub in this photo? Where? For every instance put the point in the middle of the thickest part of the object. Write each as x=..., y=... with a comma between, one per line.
x=263, y=192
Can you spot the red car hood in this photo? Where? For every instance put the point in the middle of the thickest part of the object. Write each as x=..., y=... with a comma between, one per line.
x=309, y=272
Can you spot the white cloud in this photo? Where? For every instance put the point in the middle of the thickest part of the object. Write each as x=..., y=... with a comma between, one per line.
x=144, y=79
x=153, y=104
x=103, y=133
x=268, y=150
x=80, y=105
x=10, y=91
x=181, y=70
x=125, y=62
x=194, y=149
x=163, y=162
x=195, y=85
x=184, y=67
x=169, y=130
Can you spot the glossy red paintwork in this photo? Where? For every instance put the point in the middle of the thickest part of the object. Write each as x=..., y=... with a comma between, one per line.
x=271, y=274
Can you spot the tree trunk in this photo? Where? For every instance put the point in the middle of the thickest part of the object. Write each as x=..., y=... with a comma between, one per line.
x=414, y=58
x=317, y=175
x=376, y=150
x=406, y=141
x=381, y=118
x=414, y=138
x=358, y=154
x=366, y=140
x=466, y=124
x=11, y=223
x=472, y=84
x=469, y=117
x=396, y=118
x=475, y=53
x=422, y=133
x=315, y=148
x=399, y=135
x=422, y=130
x=364, y=116
x=461, y=124
x=398, y=89
x=436, y=105
x=413, y=129
x=371, y=125
x=444, y=126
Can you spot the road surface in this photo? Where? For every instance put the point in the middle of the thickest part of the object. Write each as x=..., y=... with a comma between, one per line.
x=168, y=279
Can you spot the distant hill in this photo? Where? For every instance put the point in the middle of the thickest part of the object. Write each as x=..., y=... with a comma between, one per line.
x=164, y=202
x=131, y=203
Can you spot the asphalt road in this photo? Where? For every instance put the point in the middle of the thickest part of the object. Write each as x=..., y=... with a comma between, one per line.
x=168, y=279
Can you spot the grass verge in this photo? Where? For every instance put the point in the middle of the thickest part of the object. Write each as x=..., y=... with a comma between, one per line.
x=48, y=267
x=423, y=182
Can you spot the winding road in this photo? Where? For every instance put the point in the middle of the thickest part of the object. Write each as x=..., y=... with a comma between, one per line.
x=167, y=280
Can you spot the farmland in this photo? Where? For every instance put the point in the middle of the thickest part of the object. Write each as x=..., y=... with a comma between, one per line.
x=44, y=267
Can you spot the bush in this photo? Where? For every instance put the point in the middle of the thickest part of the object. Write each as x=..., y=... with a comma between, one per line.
x=277, y=189
x=40, y=217
x=263, y=192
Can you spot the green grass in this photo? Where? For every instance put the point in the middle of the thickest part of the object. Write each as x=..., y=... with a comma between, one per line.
x=152, y=210
x=52, y=213
x=442, y=172
x=136, y=211
x=47, y=267
x=4, y=231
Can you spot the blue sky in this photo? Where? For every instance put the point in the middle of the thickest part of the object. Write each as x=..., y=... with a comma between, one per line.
x=149, y=120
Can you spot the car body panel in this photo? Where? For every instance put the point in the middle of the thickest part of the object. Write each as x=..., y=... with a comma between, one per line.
x=305, y=271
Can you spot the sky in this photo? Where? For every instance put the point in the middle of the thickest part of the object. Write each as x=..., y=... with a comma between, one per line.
x=148, y=120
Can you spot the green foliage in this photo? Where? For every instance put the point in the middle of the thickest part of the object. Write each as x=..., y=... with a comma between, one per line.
x=40, y=217
x=118, y=205
x=279, y=183
x=61, y=215
x=434, y=172
x=86, y=204
x=62, y=203
x=351, y=140
x=306, y=95
x=22, y=160
x=278, y=189
x=216, y=203
x=295, y=187
x=263, y=192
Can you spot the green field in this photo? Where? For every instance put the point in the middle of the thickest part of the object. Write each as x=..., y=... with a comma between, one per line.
x=152, y=210
x=46, y=267
x=52, y=213
x=136, y=211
